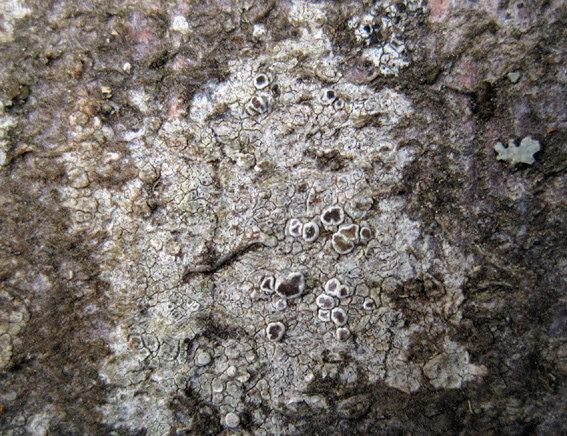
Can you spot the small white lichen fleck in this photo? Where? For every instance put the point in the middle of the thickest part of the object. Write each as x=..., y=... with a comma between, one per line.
x=258, y=31
x=524, y=153
x=180, y=24
x=232, y=420
x=203, y=358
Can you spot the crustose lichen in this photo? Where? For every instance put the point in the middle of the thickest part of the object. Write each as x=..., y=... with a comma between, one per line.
x=518, y=154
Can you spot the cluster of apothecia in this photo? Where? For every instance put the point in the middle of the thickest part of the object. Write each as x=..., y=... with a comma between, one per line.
x=343, y=240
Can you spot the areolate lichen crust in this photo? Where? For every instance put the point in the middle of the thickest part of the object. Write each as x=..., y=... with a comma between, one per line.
x=262, y=247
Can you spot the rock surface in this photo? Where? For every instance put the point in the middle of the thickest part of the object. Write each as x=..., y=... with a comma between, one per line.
x=169, y=169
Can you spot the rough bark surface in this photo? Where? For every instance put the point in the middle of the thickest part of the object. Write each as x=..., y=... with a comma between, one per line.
x=283, y=217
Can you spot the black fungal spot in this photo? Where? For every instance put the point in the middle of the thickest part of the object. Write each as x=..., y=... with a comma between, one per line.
x=296, y=280
x=287, y=290
x=160, y=59
x=339, y=104
x=369, y=304
x=401, y=7
x=295, y=226
x=484, y=101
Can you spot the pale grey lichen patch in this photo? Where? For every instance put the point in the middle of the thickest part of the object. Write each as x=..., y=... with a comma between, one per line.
x=452, y=367
x=382, y=29
x=201, y=257
x=11, y=12
x=13, y=318
x=524, y=153
x=6, y=124
x=169, y=205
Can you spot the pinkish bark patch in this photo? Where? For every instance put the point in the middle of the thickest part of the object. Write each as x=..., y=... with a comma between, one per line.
x=438, y=10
